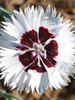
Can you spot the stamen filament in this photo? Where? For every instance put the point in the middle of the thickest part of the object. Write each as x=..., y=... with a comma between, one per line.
x=48, y=41
x=45, y=55
x=38, y=63
x=25, y=51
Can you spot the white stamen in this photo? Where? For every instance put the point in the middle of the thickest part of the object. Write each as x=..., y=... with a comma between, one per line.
x=33, y=53
x=38, y=63
x=48, y=41
x=41, y=47
x=25, y=51
x=40, y=51
x=43, y=63
x=29, y=64
x=45, y=55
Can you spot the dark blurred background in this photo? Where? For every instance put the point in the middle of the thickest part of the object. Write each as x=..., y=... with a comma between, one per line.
x=67, y=9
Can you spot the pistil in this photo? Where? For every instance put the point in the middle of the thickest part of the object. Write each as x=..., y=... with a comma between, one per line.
x=40, y=51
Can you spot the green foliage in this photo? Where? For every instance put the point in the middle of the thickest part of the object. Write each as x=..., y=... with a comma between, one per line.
x=8, y=96
x=5, y=13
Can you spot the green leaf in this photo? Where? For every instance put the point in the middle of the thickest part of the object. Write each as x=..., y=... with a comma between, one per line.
x=5, y=13
x=8, y=96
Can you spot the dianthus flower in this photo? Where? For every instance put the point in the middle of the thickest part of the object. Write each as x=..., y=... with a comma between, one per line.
x=37, y=50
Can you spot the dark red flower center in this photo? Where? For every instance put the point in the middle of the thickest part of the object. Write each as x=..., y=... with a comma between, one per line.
x=30, y=60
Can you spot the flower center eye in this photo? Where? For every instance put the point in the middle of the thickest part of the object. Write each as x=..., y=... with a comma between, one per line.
x=39, y=51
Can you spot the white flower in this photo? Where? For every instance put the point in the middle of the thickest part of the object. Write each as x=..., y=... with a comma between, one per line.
x=37, y=50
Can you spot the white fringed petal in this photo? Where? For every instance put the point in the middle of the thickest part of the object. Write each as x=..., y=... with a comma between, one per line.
x=39, y=82
x=13, y=71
